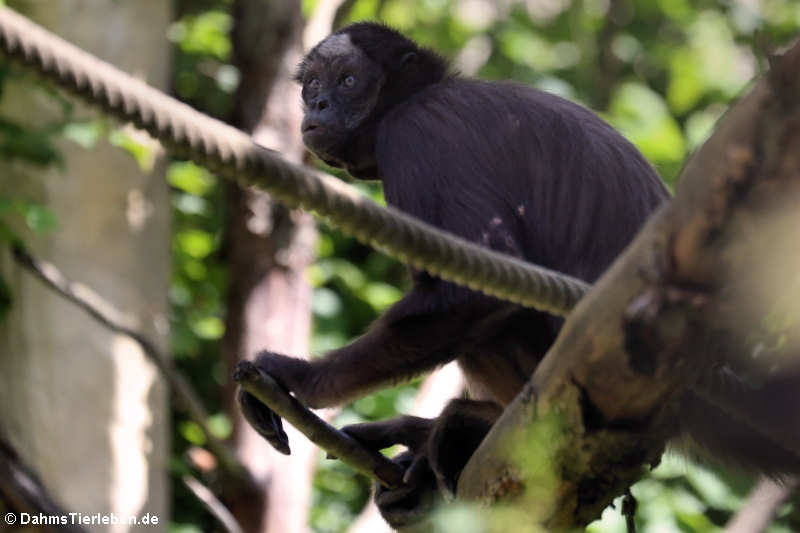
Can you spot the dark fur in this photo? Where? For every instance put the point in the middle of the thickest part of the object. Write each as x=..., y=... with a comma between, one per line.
x=515, y=169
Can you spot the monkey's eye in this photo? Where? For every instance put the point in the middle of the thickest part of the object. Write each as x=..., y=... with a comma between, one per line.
x=348, y=81
x=314, y=84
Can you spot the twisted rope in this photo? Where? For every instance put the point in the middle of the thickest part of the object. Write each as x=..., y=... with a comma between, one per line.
x=232, y=154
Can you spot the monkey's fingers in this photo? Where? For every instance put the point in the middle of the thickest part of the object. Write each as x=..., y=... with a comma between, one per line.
x=260, y=387
x=264, y=421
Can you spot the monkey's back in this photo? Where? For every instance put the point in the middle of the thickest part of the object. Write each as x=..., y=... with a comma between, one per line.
x=522, y=172
x=518, y=170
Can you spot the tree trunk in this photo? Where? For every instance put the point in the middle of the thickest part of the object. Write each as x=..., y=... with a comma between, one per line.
x=83, y=406
x=269, y=248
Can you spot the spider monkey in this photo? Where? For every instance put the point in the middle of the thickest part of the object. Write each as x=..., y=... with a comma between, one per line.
x=507, y=166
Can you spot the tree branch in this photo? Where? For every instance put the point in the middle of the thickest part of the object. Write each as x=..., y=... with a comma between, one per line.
x=21, y=491
x=214, y=506
x=105, y=314
x=337, y=443
x=762, y=503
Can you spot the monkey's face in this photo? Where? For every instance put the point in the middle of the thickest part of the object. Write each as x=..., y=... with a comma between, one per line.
x=341, y=86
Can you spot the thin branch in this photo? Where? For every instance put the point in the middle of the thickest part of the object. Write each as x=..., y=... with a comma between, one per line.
x=105, y=314
x=21, y=490
x=214, y=506
x=337, y=443
x=761, y=505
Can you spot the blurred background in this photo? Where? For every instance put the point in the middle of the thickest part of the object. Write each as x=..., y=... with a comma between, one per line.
x=208, y=273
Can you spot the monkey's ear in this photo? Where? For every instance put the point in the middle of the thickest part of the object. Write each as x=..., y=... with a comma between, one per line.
x=407, y=59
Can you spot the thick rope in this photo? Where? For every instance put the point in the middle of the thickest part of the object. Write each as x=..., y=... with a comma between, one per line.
x=232, y=154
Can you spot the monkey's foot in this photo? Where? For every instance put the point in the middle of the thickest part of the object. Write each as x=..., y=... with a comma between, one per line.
x=412, y=502
x=422, y=461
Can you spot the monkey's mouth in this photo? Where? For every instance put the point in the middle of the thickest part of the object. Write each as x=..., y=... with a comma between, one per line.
x=318, y=138
x=315, y=135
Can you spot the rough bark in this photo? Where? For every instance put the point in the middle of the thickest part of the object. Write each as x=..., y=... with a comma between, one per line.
x=269, y=248
x=82, y=405
x=697, y=283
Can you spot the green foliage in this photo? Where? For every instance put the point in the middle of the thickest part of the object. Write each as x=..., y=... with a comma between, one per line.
x=33, y=145
x=203, y=75
x=205, y=33
x=143, y=153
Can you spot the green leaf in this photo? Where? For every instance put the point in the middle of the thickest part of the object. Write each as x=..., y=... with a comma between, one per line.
x=144, y=154
x=84, y=134
x=190, y=178
x=7, y=235
x=204, y=34
x=527, y=48
x=192, y=432
x=220, y=425
x=33, y=146
x=686, y=85
x=642, y=115
x=195, y=243
x=712, y=489
x=39, y=218
x=381, y=295
x=208, y=328
x=325, y=303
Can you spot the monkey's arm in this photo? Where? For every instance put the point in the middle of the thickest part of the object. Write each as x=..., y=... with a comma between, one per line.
x=415, y=335
x=409, y=339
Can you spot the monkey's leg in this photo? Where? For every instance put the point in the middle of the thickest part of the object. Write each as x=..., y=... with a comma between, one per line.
x=438, y=450
x=751, y=426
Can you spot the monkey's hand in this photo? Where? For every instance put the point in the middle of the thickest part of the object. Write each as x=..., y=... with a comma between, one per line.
x=287, y=372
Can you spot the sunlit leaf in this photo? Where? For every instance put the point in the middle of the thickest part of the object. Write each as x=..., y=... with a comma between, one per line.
x=381, y=295
x=686, y=85
x=192, y=433
x=325, y=302
x=641, y=114
x=190, y=178
x=220, y=425
x=209, y=328
x=143, y=153
x=39, y=218
x=84, y=134
x=195, y=243
x=206, y=33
